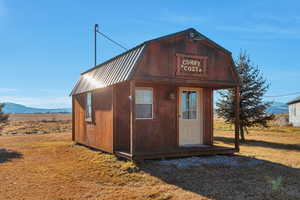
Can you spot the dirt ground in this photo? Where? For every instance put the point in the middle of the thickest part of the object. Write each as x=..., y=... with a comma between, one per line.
x=50, y=166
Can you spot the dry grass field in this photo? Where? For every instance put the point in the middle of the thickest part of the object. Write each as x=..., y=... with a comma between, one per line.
x=50, y=166
x=20, y=124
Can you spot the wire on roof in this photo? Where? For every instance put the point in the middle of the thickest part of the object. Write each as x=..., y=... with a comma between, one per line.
x=110, y=39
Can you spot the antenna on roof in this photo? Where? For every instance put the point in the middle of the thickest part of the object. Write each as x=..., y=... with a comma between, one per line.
x=95, y=40
x=96, y=30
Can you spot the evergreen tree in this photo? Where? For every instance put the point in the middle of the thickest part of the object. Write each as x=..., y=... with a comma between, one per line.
x=3, y=117
x=252, y=107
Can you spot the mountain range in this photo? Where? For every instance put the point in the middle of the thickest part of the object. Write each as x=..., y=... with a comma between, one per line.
x=18, y=108
x=278, y=108
x=275, y=108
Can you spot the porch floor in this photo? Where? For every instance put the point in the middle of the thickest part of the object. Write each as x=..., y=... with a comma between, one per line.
x=185, y=151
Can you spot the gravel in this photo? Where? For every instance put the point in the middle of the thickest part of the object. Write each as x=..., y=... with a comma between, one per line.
x=233, y=161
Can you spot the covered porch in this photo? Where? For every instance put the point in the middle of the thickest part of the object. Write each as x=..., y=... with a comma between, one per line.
x=159, y=137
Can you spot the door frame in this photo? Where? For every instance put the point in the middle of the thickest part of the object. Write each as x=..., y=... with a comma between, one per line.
x=200, y=114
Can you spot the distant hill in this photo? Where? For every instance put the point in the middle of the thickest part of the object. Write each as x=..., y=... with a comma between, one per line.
x=18, y=108
x=275, y=108
x=278, y=108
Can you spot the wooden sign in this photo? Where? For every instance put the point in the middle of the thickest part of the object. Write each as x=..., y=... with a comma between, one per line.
x=190, y=65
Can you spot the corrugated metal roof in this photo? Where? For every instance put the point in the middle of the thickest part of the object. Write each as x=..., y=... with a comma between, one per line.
x=115, y=70
x=294, y=100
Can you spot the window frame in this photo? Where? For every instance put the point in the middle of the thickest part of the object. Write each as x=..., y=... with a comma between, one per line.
x=152, y=102
x=89, y=119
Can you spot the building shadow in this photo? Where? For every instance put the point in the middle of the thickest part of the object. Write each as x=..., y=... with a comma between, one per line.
x=274, y=145
x=7, y=155
x=263, y=180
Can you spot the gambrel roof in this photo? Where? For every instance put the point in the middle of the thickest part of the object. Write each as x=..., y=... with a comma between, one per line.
x=121, y=67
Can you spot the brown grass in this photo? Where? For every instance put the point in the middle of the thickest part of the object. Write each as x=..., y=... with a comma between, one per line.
x=22, y=124
x=51, y=167
x=39, y=117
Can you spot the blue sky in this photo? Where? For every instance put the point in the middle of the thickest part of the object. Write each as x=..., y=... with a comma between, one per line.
x=45, y=45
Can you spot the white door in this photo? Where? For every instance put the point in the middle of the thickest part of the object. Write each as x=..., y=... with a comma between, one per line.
x=190, y=117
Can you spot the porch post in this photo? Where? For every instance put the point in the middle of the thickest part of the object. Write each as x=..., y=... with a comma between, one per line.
x=73, y=118
x=132, y=117
x=237, y=118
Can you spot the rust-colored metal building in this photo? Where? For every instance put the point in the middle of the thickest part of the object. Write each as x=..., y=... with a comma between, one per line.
x=156, y=99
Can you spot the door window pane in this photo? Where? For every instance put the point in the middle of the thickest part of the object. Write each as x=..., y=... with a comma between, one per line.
x=144, y=103
x=189, y=104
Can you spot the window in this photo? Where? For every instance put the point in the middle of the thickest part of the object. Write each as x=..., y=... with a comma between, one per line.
x=294, y=109
x=189, y=104
x=88, y=107
x=144, y=103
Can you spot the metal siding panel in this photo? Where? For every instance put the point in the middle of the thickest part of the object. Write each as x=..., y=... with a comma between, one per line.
x=138, y=55
x=127, y=64
x=118, y=67
x=105, y=71
x=123, y=65
x=109, y=72
x=110, y=76
x=136, y=59
x=99, y=73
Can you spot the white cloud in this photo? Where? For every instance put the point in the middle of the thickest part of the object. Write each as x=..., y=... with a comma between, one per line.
x=266, y=26
x=259, y=28
x=286, y=19
x=54, y=91
x=170, y=17
x=264, y=30
x=8, y=90
x=39, y=102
